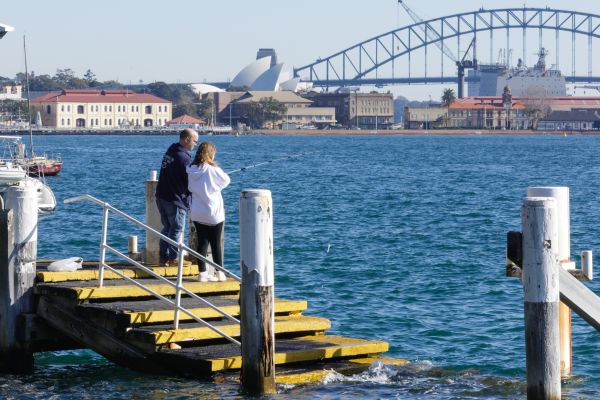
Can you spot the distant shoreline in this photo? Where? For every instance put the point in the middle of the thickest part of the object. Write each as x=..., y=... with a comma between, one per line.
x=300, y=132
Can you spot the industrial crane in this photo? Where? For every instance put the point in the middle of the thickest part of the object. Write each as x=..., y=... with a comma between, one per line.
x=461, y=64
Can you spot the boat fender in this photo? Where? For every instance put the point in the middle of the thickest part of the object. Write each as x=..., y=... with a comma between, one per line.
x=67, y=264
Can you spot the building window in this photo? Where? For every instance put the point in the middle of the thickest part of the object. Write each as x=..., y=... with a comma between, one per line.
x=49, y=109
x=109, y=108
x=105, y=122
x=148, y=121
x=68, y=108
x=110, y=121
x=62, y=108
x=148, y=111
x=105, y=108
x=68, y=121
x=62, y=122
x=80, y=111
x=97, y=122
x=80, y=122
x=118, y=108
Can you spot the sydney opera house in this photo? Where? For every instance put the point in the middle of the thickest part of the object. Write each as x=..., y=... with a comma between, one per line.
x=263, y=74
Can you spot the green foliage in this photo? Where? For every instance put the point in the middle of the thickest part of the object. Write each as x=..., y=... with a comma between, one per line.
x=267, y=109
x=448, y=97
x=197, y=110
x=14, y=107
x=176, y=93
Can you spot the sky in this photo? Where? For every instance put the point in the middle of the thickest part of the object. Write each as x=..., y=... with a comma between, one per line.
x=206, y=41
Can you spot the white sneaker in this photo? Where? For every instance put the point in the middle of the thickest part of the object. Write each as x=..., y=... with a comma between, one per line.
x=204, y=277
x=221, y=276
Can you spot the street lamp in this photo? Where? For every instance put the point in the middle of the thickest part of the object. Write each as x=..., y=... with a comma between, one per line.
x=4, y=29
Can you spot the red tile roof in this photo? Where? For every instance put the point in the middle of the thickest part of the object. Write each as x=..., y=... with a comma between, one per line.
x=98, y=96
x=480, y=102
x=185, y=119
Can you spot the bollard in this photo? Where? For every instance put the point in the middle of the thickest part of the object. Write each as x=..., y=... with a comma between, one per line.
x=561, y=195
x=257, y=318
x=152, y=251
x=541, y=298
x=18, y=253
x=132, y=247
x=587, y=264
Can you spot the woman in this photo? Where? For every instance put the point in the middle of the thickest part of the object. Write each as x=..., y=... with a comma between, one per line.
x=206, y=180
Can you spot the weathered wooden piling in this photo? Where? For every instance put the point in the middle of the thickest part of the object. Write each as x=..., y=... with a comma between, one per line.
x=541, y=298
x=256, y=296
x=563, y=249
x=18, y=252
x=152, y=252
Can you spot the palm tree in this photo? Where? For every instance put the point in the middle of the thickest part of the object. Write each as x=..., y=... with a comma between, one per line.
x=448, y=97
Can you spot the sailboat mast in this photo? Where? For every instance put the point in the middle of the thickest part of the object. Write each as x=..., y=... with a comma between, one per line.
x=28, y=99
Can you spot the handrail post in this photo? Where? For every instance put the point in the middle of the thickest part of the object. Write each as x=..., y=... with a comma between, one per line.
x=541, y=297
x=103, y=246
x=179, y=280
x=152, y=252
x=563, y=250
x=256, y=294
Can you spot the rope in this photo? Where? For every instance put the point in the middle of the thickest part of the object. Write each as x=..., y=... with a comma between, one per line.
x=267, y=162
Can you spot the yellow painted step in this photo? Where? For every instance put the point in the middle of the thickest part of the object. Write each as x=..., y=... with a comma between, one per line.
x=166, y=315
x=312, y=348
x=115, y=290
x=283, y=324
x=92, y=274
x=288, y=376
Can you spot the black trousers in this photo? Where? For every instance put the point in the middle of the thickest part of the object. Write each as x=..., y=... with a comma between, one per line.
x=213, y=235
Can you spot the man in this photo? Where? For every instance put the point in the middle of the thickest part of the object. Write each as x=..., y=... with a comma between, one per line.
x=172, y=196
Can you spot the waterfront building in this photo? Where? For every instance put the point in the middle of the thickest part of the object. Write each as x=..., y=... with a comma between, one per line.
x=186, y=121
x=583, y=119
x=299, y=111
x=432, y=116
x=358, y=110
x=101, y=109
x=11, y=91
x=488, y=112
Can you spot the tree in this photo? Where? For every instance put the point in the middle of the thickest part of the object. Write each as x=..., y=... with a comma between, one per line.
x=90, y=78
x=266, y=109
x=175, y=93
x=63, y=77
x=448, y=97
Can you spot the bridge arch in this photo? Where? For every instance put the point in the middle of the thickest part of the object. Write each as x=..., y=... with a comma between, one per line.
x=355, y=65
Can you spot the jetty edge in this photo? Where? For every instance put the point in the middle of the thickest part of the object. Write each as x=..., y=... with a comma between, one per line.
x=160, y=319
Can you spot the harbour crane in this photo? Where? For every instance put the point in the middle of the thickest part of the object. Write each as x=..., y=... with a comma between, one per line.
x=430, y=31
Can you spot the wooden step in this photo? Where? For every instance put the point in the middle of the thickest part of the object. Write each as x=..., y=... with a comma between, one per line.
x=149, y=337
x=90, y=272
x=120, y=289
x=213, y=358
x=298, y=374
x=121, y=315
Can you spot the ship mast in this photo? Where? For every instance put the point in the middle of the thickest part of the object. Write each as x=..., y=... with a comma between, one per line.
x=28, y=100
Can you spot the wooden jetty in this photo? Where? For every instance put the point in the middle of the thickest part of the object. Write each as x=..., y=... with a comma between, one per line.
x=131, y=328
x=164, y=319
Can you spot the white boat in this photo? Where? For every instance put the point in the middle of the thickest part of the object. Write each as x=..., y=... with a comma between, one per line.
x=12, y=174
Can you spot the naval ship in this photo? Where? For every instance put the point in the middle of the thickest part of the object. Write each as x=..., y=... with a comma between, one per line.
x=490, y=79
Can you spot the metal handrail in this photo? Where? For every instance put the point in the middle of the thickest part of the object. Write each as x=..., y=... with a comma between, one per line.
x=178, y=285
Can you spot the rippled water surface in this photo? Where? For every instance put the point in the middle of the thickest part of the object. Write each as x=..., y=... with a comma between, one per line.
x=391, y=237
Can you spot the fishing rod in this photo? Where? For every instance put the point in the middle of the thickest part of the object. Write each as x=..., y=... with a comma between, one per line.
x=267, y=162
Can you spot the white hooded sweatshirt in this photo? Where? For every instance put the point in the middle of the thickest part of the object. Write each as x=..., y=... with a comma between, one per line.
x=205, y=182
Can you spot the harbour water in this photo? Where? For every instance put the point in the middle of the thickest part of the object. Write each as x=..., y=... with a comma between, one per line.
x=400, y=238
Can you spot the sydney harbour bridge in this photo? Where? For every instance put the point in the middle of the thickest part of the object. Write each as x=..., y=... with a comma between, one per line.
x=435, y=51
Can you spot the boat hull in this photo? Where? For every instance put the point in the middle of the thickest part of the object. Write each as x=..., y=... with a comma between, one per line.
x=44, y=169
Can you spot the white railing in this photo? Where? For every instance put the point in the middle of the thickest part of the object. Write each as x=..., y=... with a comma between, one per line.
x=178, y=285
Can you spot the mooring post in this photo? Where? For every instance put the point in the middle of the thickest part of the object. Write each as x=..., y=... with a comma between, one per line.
x=541, y=298
x=256, y=297
x=152, y=252
x=18, y=253
x=561, y=195
x=132, y=247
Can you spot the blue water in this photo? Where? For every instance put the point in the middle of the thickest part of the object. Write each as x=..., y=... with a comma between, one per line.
x=400, y=238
